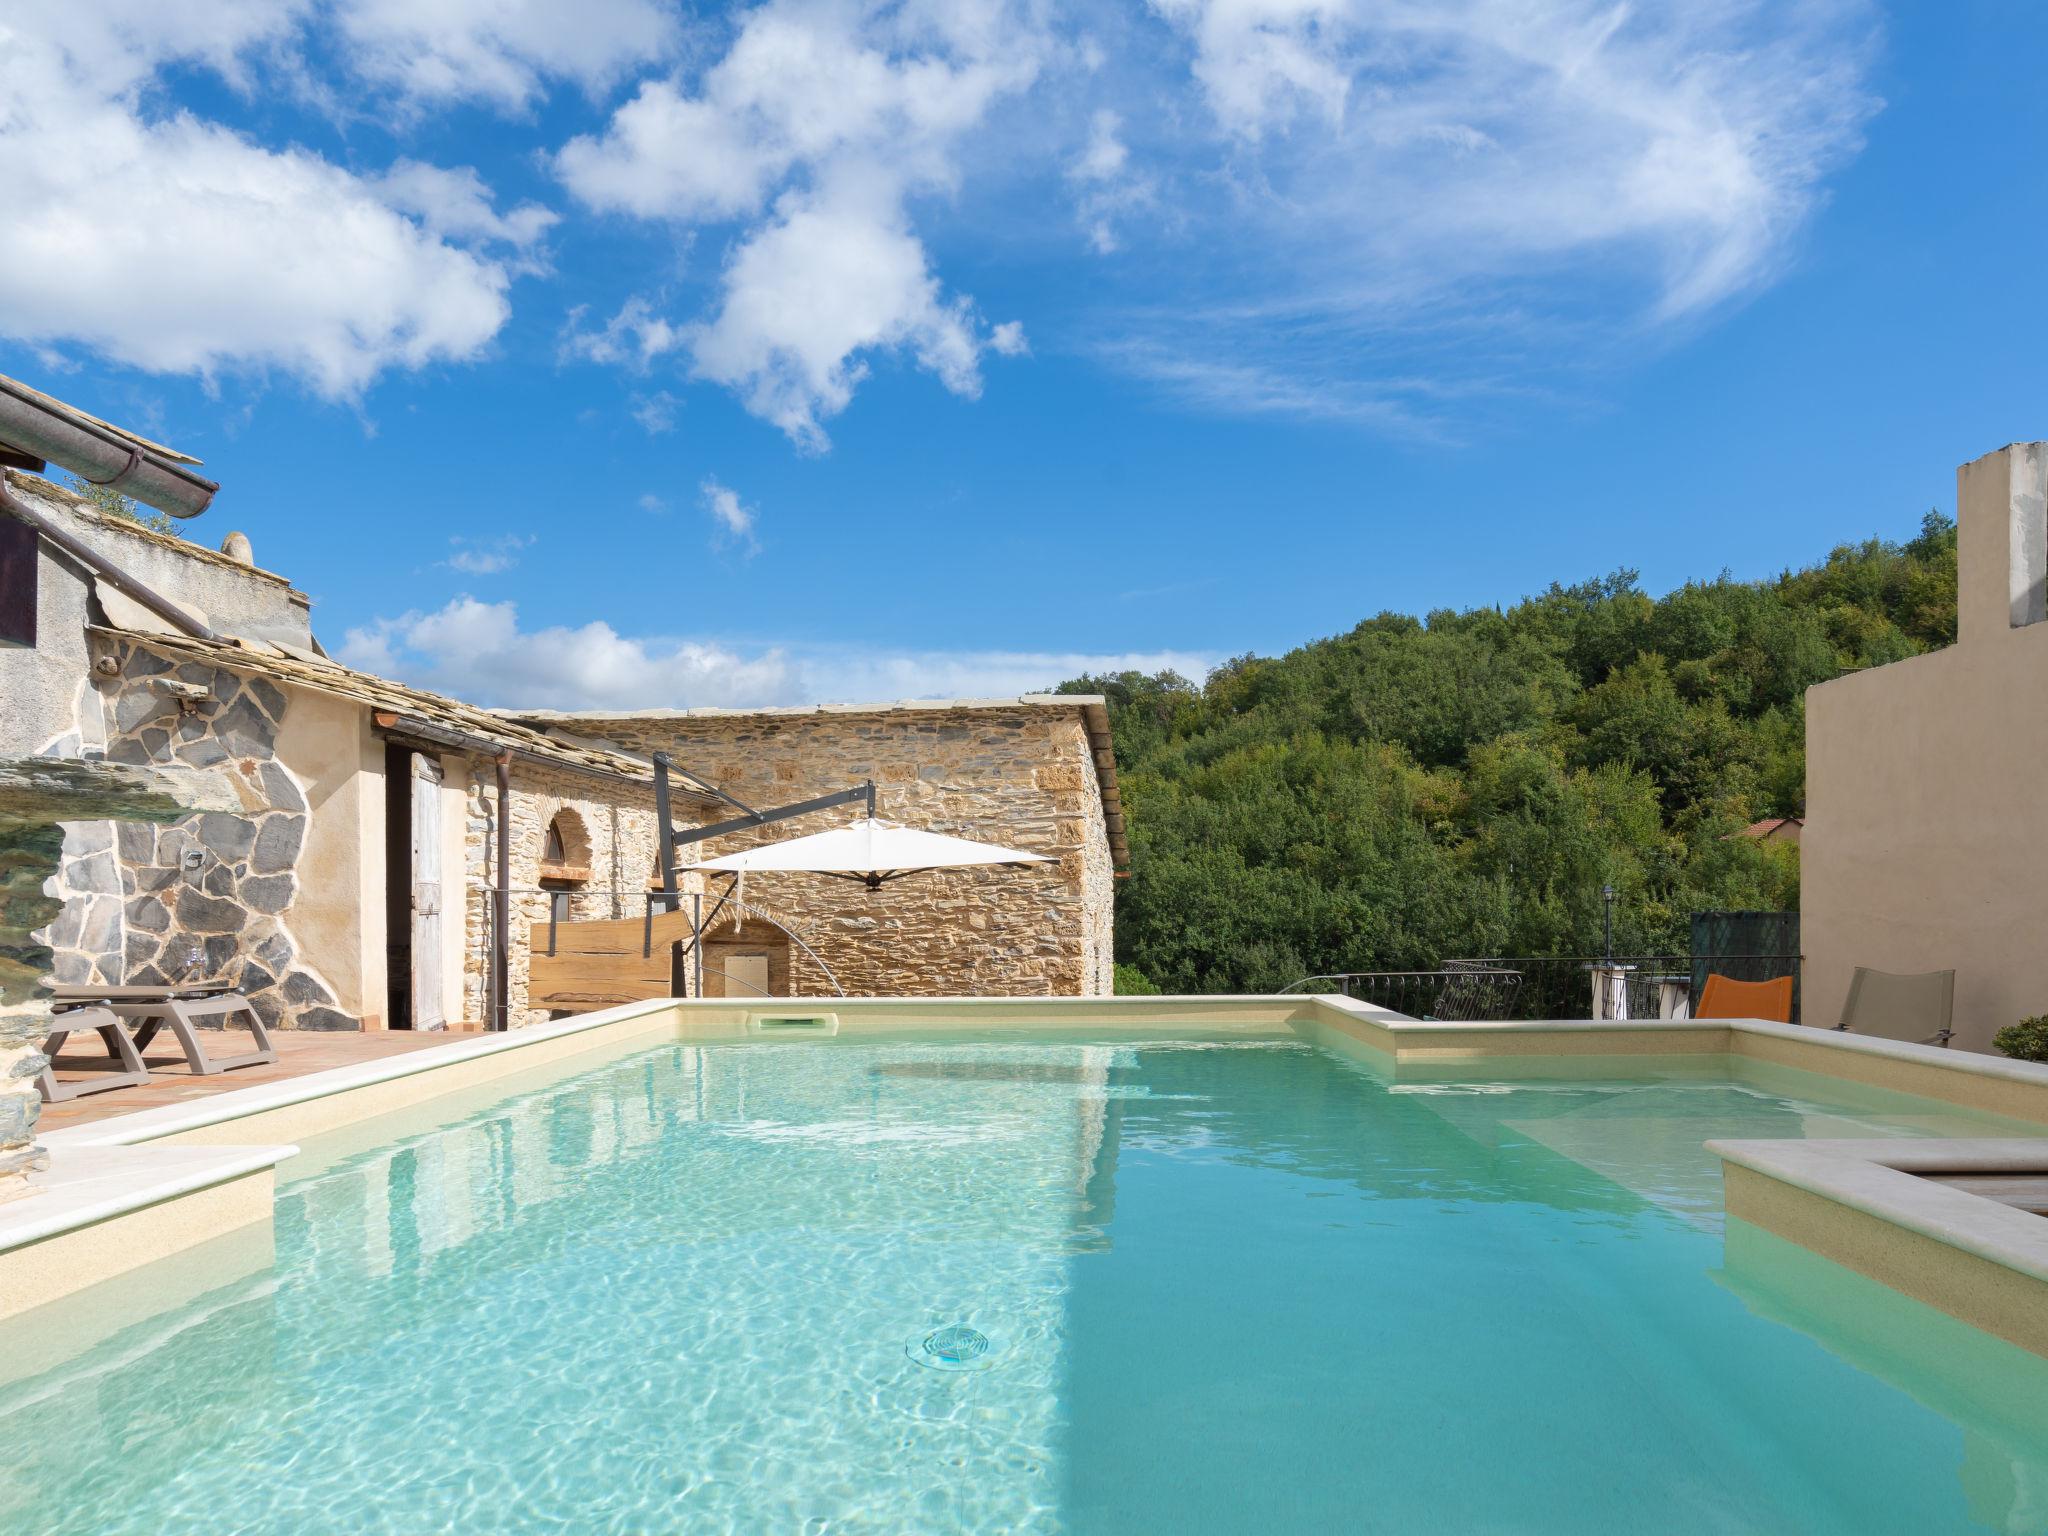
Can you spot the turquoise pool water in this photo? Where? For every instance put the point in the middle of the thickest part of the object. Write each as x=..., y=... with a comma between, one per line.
x=1227, y=1286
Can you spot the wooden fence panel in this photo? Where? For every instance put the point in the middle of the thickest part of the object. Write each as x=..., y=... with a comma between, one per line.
x=599, y=965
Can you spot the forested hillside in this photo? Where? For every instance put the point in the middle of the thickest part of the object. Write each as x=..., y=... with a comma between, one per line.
x=1464, y=784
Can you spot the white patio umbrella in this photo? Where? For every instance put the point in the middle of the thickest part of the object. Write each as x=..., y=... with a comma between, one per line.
x=872, y=852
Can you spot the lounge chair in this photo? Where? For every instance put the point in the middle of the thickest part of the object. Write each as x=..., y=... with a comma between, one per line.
x=1917, y=1009
x=1723, y=997
x=127, y=1069
x=184, y=1010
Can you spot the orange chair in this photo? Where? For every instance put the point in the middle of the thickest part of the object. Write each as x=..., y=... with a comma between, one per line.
x=1723, y=997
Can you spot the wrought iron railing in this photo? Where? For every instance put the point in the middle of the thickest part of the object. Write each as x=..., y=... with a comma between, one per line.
x=1545, y=986
x=1561, y=986
x=1465, y=994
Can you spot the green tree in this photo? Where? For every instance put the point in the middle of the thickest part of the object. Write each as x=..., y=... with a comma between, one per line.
x=110, y=501
x=1465, y=783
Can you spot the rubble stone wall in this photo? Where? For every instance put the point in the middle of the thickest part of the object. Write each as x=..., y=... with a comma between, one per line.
x=1019, y=775
x=208, y=897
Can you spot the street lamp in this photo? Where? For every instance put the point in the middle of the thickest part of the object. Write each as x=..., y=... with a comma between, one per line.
x=1607, y=929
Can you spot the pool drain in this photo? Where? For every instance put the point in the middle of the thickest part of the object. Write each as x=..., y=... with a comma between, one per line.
x=956, y=1347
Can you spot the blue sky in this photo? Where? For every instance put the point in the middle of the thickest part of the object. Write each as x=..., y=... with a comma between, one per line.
x=619, y=354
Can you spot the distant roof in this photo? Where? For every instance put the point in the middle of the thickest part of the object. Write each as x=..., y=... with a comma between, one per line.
x=1094, y=710
x=1784, y=829
x=896, y=706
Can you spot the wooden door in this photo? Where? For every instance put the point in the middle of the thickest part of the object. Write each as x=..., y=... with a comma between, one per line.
x=746, y=974
x=427, y=1009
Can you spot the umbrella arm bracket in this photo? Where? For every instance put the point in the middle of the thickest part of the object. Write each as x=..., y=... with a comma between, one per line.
x=674, y=837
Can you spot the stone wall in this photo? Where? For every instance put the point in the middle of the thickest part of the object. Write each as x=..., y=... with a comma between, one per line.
x=208, y=897
x=1021, y=775
x=34, y=793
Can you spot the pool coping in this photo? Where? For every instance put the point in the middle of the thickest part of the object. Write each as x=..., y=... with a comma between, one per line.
x=1868, y=1205
x=95, y=1208
x=176, y=1122
x=271, y=1118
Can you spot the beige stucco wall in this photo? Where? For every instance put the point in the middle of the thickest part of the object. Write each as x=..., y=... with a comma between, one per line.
x=1019, y=774
x=1926, y=840
x=337, y=917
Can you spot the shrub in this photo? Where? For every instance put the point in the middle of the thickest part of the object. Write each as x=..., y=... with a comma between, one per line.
x=2025, y=1041
x=1132, y=982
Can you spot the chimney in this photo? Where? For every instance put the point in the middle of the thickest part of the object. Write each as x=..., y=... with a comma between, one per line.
x=2002, y=542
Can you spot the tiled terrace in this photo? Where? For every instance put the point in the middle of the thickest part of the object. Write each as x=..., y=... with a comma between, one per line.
x=172, y=1082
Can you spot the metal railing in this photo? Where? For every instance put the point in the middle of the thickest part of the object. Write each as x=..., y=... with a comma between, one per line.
x=1544, y=986
x=1463, y=993
x=1561, y=986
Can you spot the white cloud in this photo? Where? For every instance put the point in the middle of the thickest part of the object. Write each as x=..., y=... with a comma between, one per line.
x=1408, y=204
x=500, y=51
x=813, y=132
x=1007, y=339
x=456, y=204
x=1263, y=62
x=649, y=502
x=735, y=519
x=635, y=336
x=1108, y=187
x=477, y=651
x=176, y=245
x=656, y=413
x=1482, y=137
x=486, y=557
x=1324, y=205
x=812, y=293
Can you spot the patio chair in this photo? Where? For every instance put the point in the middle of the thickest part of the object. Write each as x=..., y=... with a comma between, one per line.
x=1917, y=1009
x=125, y=1070
x=1723, y=997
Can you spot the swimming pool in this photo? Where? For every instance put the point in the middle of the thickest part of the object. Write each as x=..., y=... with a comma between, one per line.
x=1225, y=1283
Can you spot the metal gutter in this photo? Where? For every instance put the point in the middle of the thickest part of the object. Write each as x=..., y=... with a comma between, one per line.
x=98, y=453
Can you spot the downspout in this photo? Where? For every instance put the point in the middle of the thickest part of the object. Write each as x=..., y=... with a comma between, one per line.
x=100, y=565
x=501, y=938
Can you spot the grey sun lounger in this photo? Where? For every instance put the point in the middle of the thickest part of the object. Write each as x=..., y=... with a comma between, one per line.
x=128, y=1072
x=185, y=1011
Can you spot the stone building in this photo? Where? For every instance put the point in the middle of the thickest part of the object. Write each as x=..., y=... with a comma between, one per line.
x=1034, y=773
x=357, y=882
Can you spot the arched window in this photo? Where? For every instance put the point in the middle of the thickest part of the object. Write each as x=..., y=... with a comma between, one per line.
x=564, y=860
